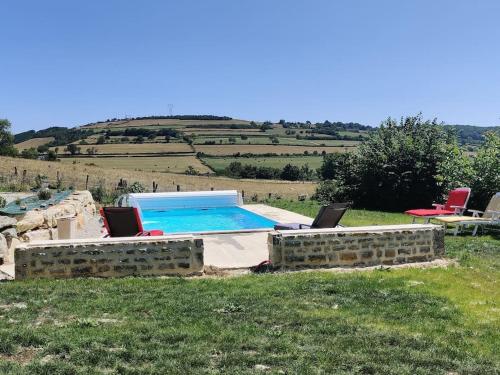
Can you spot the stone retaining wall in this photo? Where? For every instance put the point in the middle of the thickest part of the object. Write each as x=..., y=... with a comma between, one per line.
x=110, y=257
x=359, y=246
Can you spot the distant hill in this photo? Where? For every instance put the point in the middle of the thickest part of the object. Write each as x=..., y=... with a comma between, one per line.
x=470, y=134
x=210, y=125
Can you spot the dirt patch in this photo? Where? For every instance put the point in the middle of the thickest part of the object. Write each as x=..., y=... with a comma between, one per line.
x=22, y=356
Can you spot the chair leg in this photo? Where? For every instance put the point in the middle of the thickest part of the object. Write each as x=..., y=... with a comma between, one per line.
x=414, y=218
x=457, y=229
x=474, y=232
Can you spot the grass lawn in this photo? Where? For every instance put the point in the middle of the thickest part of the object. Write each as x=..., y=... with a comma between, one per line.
x=407, y=321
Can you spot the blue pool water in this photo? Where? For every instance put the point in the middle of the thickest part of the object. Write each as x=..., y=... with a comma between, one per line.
x=188, y=220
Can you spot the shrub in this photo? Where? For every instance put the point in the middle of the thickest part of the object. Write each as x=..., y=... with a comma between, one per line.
x=486, y=171
x=44, y=194
x=136, y=187
x=30, y=153
x=3, y=202
x=399, y=166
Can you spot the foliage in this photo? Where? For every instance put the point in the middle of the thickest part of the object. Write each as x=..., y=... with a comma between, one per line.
x=29, y=153
x=44, y=194
x=73, y=149
x=289, y=172
x=136, y=187
x=51, y=155
x=485, y=180
x=3, y=202
x=191, y=171
x=101, y=140
x=6, y=139
x=397, y=167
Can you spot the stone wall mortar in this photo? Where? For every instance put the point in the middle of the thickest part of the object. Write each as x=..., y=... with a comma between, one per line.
x=367, y=247
x=102, y=258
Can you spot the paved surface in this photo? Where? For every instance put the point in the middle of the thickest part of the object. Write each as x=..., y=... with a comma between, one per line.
x=243, y=250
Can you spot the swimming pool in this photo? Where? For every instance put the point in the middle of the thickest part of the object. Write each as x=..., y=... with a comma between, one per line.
x=193, y=220
x=195, y=212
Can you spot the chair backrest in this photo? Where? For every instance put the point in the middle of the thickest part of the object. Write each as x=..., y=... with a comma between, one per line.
x=457, y=197
x=494, y=205
x=122, y=221
x=329, y=216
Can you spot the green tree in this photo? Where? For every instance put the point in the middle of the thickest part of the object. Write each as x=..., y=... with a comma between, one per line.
x=101, y=140
x=486, y=171
x=73, y=149
x=6, y=139
x=29, y=153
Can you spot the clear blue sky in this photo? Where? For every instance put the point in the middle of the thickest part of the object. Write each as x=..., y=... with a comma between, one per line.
x=66, y=62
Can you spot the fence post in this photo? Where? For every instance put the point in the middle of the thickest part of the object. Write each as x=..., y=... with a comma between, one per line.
x=178, y=187
x=87, y=183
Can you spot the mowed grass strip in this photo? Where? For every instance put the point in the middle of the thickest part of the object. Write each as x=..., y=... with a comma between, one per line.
x=33, y=143
x=265, y=149
x=405, y=321
x=133, y=148
x=174, y=164
x=220, y=163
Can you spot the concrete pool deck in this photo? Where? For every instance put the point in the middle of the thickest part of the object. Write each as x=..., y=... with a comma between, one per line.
x=243, y=250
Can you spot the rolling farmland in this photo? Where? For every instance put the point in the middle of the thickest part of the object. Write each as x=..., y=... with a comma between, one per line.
x=264, y=149
x=33, y=143
x=167, y=164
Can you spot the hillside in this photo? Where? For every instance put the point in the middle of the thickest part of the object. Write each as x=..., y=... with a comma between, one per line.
x=76, y=175
x=207, y=144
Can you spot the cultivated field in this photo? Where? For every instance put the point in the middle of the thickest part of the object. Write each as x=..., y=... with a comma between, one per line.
x=265, y=149
x=220, y=163
x=133, y=148
x=75, y=175
x=33, y=143
x=174, y=164
x=164, y=122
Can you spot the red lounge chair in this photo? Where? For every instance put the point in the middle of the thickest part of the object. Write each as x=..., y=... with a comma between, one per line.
x=455, y=205
x=125, y=222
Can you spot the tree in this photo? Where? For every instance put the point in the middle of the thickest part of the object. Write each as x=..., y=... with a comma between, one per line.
x=29, y=153
x=486, y=171
x=101, y=140
x=291, y=173
x=51, y=155
x=6, y=139
x=139, y=139
x=73, y=149
x=399, y=163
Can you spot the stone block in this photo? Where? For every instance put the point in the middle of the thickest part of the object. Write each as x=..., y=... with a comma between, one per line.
x=7, y=222
x=32, y=220
x=349, y=256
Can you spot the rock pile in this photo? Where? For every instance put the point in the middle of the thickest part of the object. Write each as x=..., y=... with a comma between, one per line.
x=39, y=225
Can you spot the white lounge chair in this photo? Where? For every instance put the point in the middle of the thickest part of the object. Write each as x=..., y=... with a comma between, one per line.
x=490, y=216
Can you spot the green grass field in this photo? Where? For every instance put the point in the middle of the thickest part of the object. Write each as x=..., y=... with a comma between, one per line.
x=220, y=163
x=405, y=321
x=267, y=141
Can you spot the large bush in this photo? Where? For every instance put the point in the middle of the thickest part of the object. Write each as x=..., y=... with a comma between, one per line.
x=485, y=178
x=396, y=168
x=411, y=164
